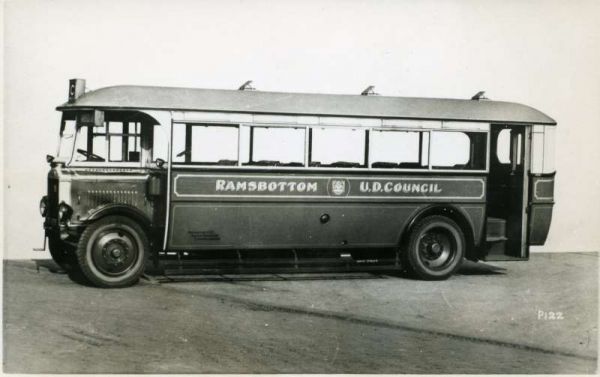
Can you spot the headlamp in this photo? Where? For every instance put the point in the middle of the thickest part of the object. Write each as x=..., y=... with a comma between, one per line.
x=44, y=206
x=64, y=212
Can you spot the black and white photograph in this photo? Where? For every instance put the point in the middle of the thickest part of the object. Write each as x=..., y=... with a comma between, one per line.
x=300, y=187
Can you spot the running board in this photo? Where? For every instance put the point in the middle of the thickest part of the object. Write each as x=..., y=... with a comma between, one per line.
x=184, y=264
x=275, y=270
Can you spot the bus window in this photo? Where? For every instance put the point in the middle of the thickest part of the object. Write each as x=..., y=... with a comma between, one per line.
x=477, y=151
x=133, y=129
x=549, y=145
x=273, y=146
x=81, y=143
x=123, y=141
x=509, y=147
x=399, y=149
x=91, y=145
x=458, y=150
x=160, y=143
x=337, y=147
x=503, y=146
x=118, y=141
x=214, y=144
x=205, y=144
x=98, y=147
x=178, y=144
x=449, y=150
x=542, y=149
x=115, y=144
x=67, y=138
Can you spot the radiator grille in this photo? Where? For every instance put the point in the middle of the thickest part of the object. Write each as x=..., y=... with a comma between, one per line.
x=94, y=198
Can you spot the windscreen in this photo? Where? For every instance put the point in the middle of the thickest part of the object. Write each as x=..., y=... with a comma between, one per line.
x=67, y=139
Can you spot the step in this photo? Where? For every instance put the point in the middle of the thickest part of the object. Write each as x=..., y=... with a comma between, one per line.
x=495, y=229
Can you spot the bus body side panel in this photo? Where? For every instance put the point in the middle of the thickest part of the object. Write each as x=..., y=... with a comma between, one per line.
x=252, y=210
x=286, y=225
x=540, y=208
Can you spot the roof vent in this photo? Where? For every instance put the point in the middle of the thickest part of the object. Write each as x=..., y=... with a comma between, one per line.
x=479, y=96
x=247, y=86
x=370, y=91
x=76, y=89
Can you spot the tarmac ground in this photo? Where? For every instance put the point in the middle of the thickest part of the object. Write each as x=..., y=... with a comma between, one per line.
x=539, y=316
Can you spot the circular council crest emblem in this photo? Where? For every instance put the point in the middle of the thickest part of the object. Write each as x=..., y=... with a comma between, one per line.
x=338, y=187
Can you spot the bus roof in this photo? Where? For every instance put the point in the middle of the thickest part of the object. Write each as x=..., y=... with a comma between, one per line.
x=240, y=101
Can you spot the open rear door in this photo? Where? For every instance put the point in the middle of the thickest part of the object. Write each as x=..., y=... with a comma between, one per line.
x=508, y=193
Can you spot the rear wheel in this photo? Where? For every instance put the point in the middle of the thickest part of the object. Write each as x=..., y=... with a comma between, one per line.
x=112, y=252
x=436, y=248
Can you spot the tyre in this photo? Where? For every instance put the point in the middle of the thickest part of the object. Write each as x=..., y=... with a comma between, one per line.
x=436, y=248
x=112, y=251
x=61, y=253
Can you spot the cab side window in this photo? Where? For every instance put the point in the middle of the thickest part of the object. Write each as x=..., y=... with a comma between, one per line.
x=113, y=141
x=91, y=144
x=124, y=141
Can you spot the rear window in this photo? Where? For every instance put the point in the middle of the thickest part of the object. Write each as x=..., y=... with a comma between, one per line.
x=449, y=150
x=455, y=150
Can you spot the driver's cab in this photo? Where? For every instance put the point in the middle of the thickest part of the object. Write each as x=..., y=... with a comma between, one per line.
x=110, y=167
x=110, y=139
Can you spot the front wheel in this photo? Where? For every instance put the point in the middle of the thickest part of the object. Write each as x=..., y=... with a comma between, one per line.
x=436, y=248
x=112, y=252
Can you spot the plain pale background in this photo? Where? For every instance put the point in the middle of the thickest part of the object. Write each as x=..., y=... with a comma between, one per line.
x=541, y=53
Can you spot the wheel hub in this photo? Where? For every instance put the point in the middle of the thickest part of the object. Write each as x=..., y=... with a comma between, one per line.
x=435, y=248
x=114, y=252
